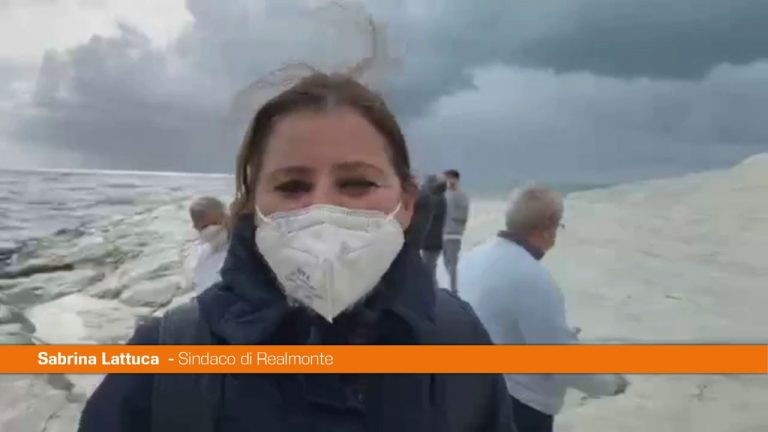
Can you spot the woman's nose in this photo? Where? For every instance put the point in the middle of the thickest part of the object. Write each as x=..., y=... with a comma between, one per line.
x=325, y=193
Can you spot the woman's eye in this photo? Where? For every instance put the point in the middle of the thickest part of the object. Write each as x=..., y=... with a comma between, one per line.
x=294, y=187
x=357, y=186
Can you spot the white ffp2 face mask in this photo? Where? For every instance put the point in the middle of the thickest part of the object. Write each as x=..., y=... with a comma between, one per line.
x=326, y=257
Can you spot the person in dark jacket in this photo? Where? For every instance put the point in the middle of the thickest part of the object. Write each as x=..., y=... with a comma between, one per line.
x=422, y=216
x=432, y=246
x=326, y=160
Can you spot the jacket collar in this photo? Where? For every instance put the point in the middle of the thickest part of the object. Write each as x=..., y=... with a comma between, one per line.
x=248, y=307
x=532, y=250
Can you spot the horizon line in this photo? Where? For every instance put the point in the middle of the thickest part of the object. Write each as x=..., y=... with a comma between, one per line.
x=110, y=171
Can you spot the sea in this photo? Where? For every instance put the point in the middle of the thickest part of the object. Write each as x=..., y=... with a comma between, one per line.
x=35, y=204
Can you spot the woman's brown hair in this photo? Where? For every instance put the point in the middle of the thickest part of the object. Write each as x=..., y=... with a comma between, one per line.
x=315, y=92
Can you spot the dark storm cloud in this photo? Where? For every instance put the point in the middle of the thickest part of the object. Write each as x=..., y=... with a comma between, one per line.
x=121, y=102
x=116, y=101
x=528, y=124
x=654, y=38
x=681, y=39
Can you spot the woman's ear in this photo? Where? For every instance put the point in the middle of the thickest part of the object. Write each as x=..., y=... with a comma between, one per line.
x=407, y=205
x=409, y=200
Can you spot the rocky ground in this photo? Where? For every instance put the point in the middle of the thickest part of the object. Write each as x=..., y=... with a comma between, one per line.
x=82, y=287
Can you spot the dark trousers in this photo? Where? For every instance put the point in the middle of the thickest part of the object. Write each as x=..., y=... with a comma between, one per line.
x=528, y=419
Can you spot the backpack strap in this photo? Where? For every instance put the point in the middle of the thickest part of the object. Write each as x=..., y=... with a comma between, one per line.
x=455, y=321
x=185, y=402
x=466, y=397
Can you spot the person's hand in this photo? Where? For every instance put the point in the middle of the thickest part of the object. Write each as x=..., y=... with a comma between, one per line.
x=621, y=385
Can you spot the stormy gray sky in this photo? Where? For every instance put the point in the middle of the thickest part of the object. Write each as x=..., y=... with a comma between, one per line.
x=503, y=90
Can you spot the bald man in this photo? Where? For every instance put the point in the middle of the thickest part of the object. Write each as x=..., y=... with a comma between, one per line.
x=208, y=217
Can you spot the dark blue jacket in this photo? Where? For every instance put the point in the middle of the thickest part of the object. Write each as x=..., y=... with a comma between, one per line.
x=421, y=220
x=433, y=240
x=248, y=308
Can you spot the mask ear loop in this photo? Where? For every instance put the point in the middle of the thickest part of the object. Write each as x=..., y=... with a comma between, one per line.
x=260, y=217
x=394, y=212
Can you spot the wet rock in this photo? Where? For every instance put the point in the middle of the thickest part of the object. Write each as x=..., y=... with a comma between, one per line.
x=108, y=288
x=155, y=293
x=6, y=314
x=71, y=232
x=14, y=334
x=43, y=288
x=19, y=296
x=148, y=267
x=11, y=315
x=7, y=250
x=30, y=269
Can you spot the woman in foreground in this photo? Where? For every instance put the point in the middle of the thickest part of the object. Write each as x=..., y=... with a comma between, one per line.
x=324, y=195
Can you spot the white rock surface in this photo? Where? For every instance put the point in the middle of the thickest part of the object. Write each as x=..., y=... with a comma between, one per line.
x=80, y=319
x=153, y=293
x=29, y=403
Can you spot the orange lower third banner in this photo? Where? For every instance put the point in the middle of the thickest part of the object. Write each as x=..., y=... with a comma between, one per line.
x=630, y=359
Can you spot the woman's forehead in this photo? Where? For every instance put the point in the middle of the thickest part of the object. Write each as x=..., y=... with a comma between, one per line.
x=339, y=139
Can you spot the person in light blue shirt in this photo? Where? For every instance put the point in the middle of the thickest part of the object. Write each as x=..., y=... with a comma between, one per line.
x=519, y=303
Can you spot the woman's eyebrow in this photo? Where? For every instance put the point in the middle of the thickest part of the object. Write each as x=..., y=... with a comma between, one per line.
x=357, y=166
x=289, y=171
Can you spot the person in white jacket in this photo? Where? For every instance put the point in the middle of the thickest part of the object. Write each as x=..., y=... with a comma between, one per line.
x=209, y=250
x=519, y=303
